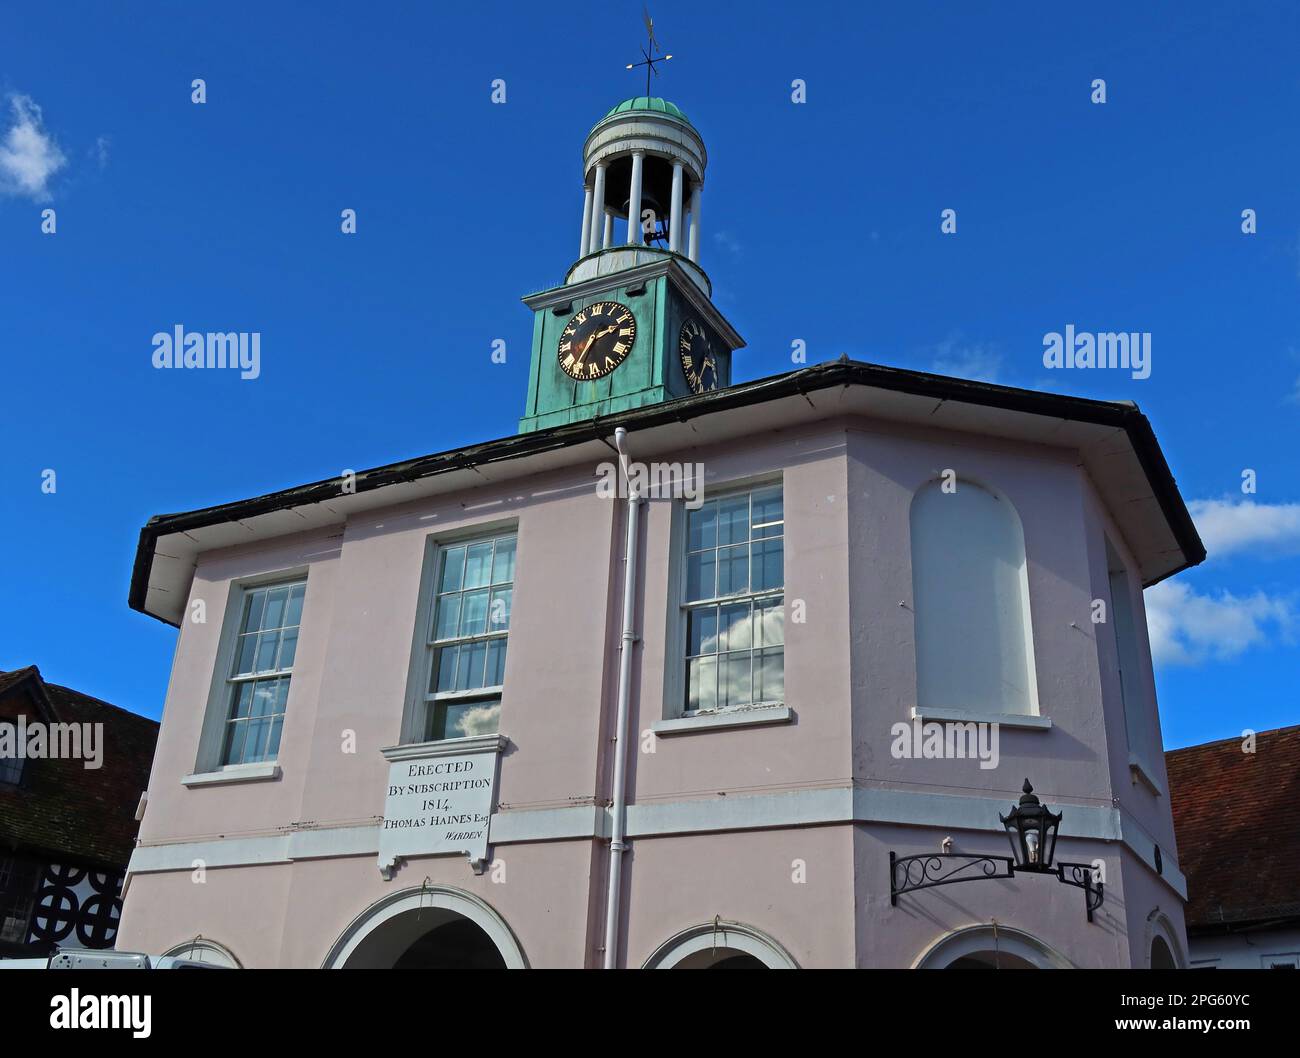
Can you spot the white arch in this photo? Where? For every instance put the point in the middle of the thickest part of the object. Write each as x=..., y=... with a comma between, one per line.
x=735, y=936
x=972, y=940
x=204, y=950
x=450, y=901
x=1160, y=926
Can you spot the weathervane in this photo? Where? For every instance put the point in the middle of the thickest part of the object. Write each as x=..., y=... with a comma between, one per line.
x=649, y=57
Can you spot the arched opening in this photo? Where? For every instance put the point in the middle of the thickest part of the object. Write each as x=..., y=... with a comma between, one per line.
x=721, y=959
x=970, y=589
x=1161, y=957
x=720, y=945
x=208, y=952
x=1164, y=952
x=990, y=960
x=455, y=945
x=991, y=947
x=430, y=928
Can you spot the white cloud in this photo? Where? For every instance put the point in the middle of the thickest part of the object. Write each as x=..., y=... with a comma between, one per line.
x=28, y=154
x=1188, y=628
x=1266, y=529
x=979, y=360
x=726, y=241
x=100, y=151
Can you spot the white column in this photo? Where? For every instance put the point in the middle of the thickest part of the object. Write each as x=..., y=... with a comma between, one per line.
x=694, y=252
x=598, y=206
x=634, y=200
x=586, y=222
x=675, y=215
x=609, y=229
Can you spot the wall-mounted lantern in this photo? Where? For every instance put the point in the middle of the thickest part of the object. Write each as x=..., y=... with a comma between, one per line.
x=1031, y=829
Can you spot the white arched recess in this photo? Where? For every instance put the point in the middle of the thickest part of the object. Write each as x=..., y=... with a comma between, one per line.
x=734, y=937
x=983, y=940
x=434, y=904
x=970, y=596
x=1159, y=927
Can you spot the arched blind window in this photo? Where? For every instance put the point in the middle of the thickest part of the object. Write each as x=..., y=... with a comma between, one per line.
x=974, y=646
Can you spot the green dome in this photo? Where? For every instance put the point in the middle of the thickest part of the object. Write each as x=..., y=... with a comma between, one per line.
x=652, y=103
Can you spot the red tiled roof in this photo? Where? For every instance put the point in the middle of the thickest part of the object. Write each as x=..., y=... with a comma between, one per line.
x=62, y=806
x=1237, y=818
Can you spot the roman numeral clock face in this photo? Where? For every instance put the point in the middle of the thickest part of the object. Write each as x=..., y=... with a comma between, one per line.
x=699, y=365
x=597, y=340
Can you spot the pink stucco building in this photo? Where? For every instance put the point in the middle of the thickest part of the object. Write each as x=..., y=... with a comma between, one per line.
x=483, y=708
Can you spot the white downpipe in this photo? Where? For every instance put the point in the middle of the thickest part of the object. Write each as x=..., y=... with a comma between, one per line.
x=619, y=806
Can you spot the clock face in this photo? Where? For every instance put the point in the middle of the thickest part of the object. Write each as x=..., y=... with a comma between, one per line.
x=597, y=340
x=698, y=362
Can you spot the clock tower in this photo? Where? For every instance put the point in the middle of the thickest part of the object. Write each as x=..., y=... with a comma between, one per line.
x=632, y=324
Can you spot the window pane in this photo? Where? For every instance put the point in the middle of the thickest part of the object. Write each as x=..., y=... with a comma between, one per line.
x=769, y=676
x=733, y=570
x=702, y=631
x=478, y=564
x=496, y=663
x=769, y=623
x=735, y=625
x=701, y=576
x=264, y=697
x=499, y=610
x=448, y=617
x=275, y=603
x=469, y=673
x=769, y=562
x=253, y=618
x=463, y=719
x=503, y=562
x=244, y=658
x=733, y=680
x=702, y=528
x=288, y=649
x=267, y=643
x=733, y=520
x=273, y=742
x=446, y=669
x=768, y=515
x=473, y=614
x=294, y=616
x=255, y=742
x=243, y=700
x=702, y=684
x=235, y=746
x=453, y=567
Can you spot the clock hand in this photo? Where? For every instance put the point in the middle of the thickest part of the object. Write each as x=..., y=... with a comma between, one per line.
x=586, y=346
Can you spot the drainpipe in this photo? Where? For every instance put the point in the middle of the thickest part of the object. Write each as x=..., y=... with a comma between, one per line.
x=619, y=805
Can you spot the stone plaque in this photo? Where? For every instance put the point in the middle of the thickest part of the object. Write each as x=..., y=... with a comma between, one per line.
x=438, y=802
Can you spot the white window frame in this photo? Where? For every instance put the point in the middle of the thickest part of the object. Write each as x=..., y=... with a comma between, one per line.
x=417, y=715
x=209, y=765
x=675, y=710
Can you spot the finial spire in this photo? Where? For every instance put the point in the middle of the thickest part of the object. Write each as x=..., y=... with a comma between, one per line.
x=649, y=58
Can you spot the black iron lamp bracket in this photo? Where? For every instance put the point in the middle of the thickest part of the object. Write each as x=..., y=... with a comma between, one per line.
x=907, y=874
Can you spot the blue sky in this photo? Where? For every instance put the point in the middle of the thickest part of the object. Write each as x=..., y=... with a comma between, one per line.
x=821, y=222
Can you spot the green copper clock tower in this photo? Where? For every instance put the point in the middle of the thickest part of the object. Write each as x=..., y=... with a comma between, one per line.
x=633, y=323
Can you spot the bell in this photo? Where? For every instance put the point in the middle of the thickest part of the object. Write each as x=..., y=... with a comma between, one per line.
x=648, y=202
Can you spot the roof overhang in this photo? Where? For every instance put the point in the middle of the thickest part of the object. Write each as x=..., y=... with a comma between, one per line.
x=1115, y=441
